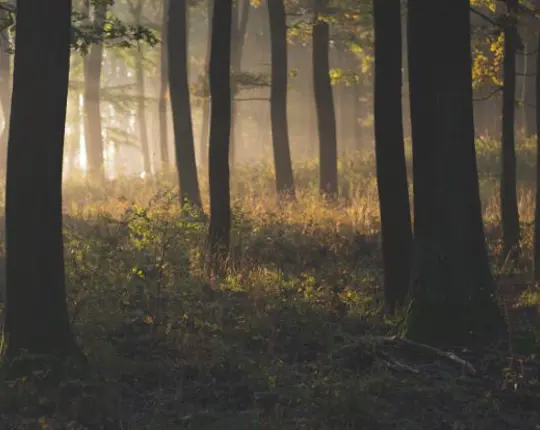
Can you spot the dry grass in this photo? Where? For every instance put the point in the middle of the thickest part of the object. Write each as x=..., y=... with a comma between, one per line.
x=292, y=338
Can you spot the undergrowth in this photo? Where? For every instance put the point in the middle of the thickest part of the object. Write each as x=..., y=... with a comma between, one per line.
x=292, y=338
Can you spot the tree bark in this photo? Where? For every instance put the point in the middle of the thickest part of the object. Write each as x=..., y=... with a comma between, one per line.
x=508, y=185
x=92, y=108
x=220, y=130
x=324, y=102
x=36, y=316
x=536, y=261
x=177, y=48
x=452, y=290
x=278, y=98
x=390, y=153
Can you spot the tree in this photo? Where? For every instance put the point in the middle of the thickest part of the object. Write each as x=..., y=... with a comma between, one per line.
x=278, y=98
x=220, y=131
x=529, y=91
x=164, y=85
x=203, y=144
x=36, y=318
x=390, y=153
x=141, y=111
x=324, y=102
x=452, y=290
x=241, y=9
x=508, y=187
x=5, y=89
x=536, y=262
x=181, y=107
x=92, y=102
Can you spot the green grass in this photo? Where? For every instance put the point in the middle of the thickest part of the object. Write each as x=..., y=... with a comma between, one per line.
x=292, y=338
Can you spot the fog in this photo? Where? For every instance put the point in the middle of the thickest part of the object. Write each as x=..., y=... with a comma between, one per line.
x=352, y=92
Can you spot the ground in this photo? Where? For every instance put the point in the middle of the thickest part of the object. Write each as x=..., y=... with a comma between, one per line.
x=293, y=338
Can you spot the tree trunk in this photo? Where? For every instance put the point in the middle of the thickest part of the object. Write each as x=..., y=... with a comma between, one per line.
x=390, y=153
x=530, y=86
x=141, y=103
x=203, y=144
x=5, y=92
x=220, y=129
x=452, y=290
x=324, y=102
x=164, y=81
x=239, y=29
x=36, y=316
x=278, y=98
x=92, y=108
x=508, y=187
x=184, y=144
x=519, y=116
x=75, y=144
x=358, y=117
x=536, y=262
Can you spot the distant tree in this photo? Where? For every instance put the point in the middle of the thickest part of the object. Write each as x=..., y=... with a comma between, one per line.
x=177, y=48
x=452, y=291
x=529, y=91
x=36, y=316
x=163, y=88
x=324, y=102
x=203, y=143
x=241, y=12
x=278, y=98
x=5, y=89
x=137, y=10
x=390, y=153
x=220, y=130
x=508, y=188
x=92, y=100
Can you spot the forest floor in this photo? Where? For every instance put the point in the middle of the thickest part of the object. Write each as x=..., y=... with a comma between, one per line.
x=294, y=337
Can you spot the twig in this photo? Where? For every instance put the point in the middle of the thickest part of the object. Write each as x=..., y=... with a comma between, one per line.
x=491, y=94
x=440, y=353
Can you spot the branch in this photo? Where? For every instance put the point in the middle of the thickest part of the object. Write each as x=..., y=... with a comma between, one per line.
x=491, y=94
x=252, y=99
x=526, y=54
x=485, y=17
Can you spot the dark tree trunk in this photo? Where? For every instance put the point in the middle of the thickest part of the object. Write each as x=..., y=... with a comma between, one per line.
x=519, y=116
x=5, y=92
x=324, y=102
x=508, y=190
x=278, y=98
x=390, y=153
x=92, y=108
x=36, y=318
x=452, y=291
x=164, y=82
x=141, y=103
x=537, y=210
x=203, y=144
x=220, y=129
x=184, y=143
